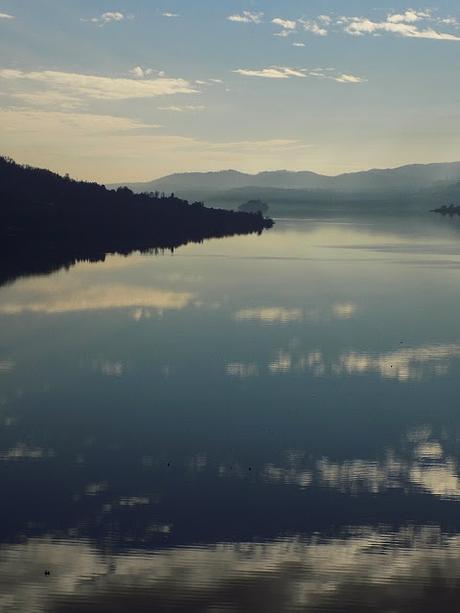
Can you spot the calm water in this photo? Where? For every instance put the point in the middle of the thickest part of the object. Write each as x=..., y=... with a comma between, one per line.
x=252, y=424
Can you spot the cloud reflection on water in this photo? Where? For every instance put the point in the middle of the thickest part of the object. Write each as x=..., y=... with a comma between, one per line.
x=404, y=364
x=424, y=467
x=410, y=569
x=113, y=296
x=271, y=315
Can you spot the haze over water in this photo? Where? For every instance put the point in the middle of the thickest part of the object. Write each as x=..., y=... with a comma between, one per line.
x=250, y=424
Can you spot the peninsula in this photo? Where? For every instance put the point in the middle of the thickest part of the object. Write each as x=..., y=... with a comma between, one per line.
x=48, y=221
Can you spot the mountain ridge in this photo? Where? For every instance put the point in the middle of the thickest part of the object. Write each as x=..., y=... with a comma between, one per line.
x=407, y=177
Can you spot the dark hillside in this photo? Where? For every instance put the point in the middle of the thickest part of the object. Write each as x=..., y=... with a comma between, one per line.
x=46, y=216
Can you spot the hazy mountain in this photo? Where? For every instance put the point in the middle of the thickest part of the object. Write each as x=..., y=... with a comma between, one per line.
x=405, y=178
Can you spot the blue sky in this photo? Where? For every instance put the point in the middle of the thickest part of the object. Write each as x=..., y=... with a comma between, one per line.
x=132, y=90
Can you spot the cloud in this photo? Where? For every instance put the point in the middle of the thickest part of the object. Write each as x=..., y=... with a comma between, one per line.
x=286, y=24
x=314, y=27
x=29, y=122
x=284, y=33
x=298, y=44
x=247, y=17
x=47, y=99
x=348, y=78
x=97, y=87
x=449, y=21
x=274, y=72
x=142, y=73
x=138, y=72
x=409, y=16
x=168, y=14
x=282, y=72
x=109, y=17
x=400, y=24
x=6, y=16
x=74, y=142
x=182, y=109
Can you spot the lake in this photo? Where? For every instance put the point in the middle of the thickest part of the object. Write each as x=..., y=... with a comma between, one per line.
x=259, y=423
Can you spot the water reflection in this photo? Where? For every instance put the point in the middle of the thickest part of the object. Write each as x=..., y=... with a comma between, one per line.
x=410, y=569
x=403, y=364
x=45, y=297
x=187, y=433
x=272, y=315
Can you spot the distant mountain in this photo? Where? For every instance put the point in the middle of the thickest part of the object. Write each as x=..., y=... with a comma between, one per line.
x=405, y=178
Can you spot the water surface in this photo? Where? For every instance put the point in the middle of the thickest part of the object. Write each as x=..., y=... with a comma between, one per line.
x=259, y=423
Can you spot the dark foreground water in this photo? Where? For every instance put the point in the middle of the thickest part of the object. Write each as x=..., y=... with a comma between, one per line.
x=253, y=424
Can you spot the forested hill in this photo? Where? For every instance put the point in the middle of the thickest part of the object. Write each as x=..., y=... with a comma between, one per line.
x=36, y=202
x=48, y=221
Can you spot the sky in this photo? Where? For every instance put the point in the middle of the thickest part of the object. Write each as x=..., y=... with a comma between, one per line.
x=131, y=90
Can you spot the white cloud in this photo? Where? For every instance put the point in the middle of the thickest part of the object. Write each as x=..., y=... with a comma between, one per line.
x=284, y=33
x=142, y=73
x=47, y=99
x=168, y=14
x=97, y=87
x=399, y=24
x=274, y=72
x=246, y=17
x=314, y=27
x=409, y=16
x=109, y=17
x=298, y=44
x=286, y=24
x=89, y=145
x=349, y=78
x=28, y=122
x=274, y=145
x=6, y=16
x=283, y=72
x=138, y=72
x=182, y=109
x=449, y=21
